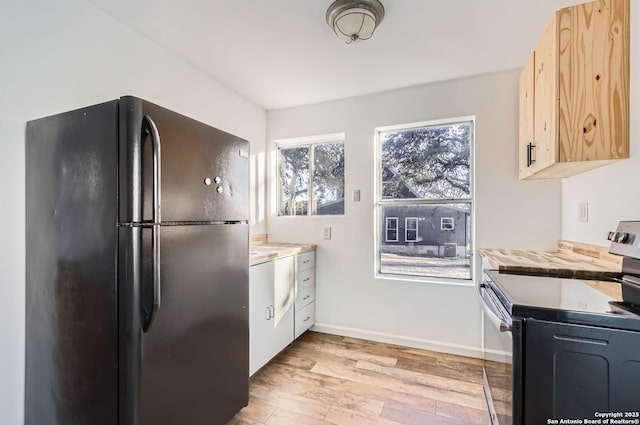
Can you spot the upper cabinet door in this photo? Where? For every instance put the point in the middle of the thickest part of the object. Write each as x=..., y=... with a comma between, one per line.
x=581, y=92
x=546, y=95
x=526, y=136
x=594, y=81
x=203, y=173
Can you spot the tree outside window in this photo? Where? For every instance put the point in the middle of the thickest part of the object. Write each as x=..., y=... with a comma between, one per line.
x=311, y=179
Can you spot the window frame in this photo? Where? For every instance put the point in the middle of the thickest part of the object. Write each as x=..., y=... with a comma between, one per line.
x=308, y=142
x=386, y=229
x=453, y=224
x=380, y=203
x=406, y=229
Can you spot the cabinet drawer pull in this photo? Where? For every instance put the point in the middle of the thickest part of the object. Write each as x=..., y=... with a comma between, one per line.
x=307, y=297
x=305, y=261
x=306, y=280
x=306, y=318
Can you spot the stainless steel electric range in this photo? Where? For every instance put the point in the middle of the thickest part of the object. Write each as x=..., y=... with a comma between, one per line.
x=563, y=349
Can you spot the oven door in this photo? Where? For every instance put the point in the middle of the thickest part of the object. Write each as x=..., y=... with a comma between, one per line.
x=497, y=348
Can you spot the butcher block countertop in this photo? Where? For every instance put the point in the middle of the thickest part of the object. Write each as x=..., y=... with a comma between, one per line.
x=261, y=250
x=572, y=259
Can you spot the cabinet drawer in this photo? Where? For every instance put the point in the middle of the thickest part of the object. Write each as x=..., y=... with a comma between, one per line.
x=306, y=279
x=306, y=260
x=305, y=296
x=305, y=318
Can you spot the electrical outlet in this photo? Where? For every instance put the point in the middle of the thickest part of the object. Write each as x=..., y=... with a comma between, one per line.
x=326, y=232
x=583, y=211
x=356, y=195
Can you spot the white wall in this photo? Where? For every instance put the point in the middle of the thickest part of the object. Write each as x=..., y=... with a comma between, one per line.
x=612, y=192
x=62, y=55
x=509, y=213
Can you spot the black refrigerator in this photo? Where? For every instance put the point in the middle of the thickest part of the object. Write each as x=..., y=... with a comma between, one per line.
x=137, y=247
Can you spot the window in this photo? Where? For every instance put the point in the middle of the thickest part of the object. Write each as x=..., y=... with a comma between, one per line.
x=424, y=183
x=411, y=229
x=311, y=179
x=392, y=229
x=446, y=223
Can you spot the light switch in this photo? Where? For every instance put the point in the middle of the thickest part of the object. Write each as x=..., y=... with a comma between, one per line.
x=326, y=232
x=583, y=211
x=356, y=195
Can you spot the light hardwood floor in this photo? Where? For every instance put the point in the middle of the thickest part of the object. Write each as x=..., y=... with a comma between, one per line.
x=325, y=379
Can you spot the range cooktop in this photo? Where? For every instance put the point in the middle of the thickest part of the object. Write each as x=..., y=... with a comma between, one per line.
x=581, y=301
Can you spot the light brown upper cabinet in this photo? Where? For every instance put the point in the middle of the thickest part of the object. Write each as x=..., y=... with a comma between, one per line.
x=574, y=93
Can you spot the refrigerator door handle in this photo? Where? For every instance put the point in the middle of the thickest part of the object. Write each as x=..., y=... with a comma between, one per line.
x=150, y=127
x=157, y=288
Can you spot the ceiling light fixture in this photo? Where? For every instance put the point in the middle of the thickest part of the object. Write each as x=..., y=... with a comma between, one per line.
x=354, y=20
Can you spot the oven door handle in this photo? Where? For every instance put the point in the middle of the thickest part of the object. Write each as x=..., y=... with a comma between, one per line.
x=504, y=324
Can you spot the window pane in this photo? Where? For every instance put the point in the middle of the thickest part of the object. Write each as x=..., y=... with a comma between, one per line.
x=447, y=223
x=433, y=252
x=392, y=229
x=294, y=180
x=411, y=226
x=428, y=162
x=328, y=178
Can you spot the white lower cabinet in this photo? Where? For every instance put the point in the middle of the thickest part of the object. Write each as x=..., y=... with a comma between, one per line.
x=266, y=338
x=305, y=318
x=305, y=315
x=282, y=295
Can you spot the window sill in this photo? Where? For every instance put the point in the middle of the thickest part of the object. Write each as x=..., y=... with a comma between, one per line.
x=430, y=280
x=310, y=216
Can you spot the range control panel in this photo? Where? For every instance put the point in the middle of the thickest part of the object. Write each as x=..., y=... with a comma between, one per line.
x=626, y=239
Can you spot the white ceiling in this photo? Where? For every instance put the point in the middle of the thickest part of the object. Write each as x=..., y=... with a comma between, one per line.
x=281, y=53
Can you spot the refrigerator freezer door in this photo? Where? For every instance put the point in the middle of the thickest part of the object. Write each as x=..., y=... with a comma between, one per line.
x=194, y=359
x=204, y=172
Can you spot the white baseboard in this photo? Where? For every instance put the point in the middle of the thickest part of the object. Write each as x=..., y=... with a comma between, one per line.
x=443, y=347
